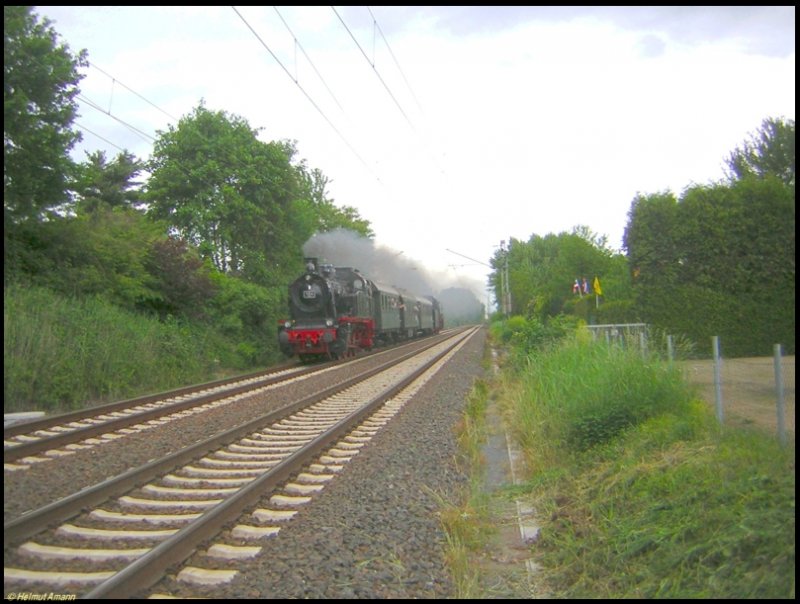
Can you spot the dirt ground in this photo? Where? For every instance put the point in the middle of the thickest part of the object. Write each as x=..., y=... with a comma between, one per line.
x=748, y=390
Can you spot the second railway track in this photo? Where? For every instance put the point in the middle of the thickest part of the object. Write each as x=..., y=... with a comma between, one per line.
x=192, y=493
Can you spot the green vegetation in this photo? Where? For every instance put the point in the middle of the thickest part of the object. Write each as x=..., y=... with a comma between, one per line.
x=583, y=395
x=464, y=525
x=60, y=353
x=638, y=491
x=194, y=262
x=718, y=258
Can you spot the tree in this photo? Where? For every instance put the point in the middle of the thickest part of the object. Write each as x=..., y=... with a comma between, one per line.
x=40, y=82
x=181, y=281
x=650, y=239
x=541, y=271
x=720, y=261
x=238, y=199
x=769, y=151
x=100, y=182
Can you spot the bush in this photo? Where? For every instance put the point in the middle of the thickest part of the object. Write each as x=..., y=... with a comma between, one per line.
x=626, y=389
x=61, y=353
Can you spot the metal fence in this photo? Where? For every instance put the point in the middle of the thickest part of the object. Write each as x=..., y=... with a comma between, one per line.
x=757, y=391
x=622, y=334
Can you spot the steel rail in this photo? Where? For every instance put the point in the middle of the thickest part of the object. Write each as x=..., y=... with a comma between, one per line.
x=46, y=443
x=149, y=568
x=72, y=416
x=35, y=521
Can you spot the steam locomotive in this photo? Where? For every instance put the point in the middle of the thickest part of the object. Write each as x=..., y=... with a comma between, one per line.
x=336, y=311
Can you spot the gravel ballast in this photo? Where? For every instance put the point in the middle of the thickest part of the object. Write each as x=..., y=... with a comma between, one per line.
x=374, y=531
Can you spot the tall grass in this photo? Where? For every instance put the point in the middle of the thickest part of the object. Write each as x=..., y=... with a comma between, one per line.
x=61, y=353
x=640, y=492
x=579, y=395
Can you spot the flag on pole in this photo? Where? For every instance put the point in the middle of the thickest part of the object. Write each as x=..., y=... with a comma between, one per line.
x=596, y=286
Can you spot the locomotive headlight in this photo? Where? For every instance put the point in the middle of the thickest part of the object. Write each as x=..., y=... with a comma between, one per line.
x=287, y=324
x=329, y=322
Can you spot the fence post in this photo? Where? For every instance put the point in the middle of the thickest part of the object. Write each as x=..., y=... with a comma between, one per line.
x=717, y=380
x=670, y=353
x=781, y=409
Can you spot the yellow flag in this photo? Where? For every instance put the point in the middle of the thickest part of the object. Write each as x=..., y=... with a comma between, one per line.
x=596, y=286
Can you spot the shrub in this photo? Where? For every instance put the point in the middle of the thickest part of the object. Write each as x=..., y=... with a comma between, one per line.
x=626, y=389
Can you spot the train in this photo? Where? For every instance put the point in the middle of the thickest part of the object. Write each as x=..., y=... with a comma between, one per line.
x=335, y=312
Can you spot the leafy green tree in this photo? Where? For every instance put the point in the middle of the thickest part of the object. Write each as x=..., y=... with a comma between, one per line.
x=248, y=314
x=769, y=151
x=40, y=82
x=182, y=282
x=238, y=199
x=718, y=262
x=650, y=239
x=102, y=253
x=111, y=183
x=542, y=270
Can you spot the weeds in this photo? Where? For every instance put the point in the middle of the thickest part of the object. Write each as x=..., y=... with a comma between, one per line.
x=61, y=353
x=639, y=492
x=651, y=498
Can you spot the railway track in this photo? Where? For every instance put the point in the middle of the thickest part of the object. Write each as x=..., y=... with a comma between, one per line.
x=61, y=435
x=123, y=534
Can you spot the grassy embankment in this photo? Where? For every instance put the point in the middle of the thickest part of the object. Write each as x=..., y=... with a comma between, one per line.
x=60, y=353
x=639, y=492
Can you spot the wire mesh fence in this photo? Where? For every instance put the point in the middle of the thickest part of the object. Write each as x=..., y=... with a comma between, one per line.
x=748, y=389
x=751, y=391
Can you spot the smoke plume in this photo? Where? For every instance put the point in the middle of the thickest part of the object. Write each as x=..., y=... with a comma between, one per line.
x=382, y=264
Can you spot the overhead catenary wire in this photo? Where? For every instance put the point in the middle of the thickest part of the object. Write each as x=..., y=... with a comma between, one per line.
x=305, y=54
x=372, y=64
x=131, y=127
x=102, y=138
x=399, y=68
x=116, y=81
x=310, y=100
x=396, y=62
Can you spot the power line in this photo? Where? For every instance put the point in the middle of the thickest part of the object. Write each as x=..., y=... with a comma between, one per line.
x=82, y=127
x=396, y=62
x=132, y=128
x=372, y=64
x=314, y=67
x=310, y=100
x=423, y=138
x=116, y=81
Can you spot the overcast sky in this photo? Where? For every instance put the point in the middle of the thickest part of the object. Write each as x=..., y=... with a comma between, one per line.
x=453, y=128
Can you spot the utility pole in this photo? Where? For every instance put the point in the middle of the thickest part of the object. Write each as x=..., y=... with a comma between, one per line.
x=505, y=288
x=502, y=280
x=508, y=281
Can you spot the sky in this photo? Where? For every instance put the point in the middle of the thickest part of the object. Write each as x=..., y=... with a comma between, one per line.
x=451, y=128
